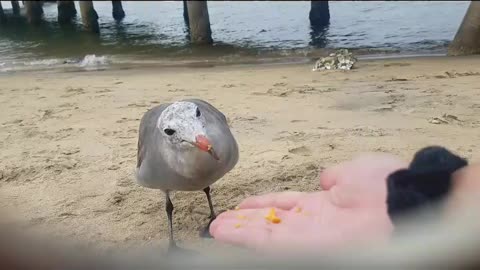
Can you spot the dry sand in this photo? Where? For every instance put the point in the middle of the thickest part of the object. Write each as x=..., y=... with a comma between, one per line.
x=68, y=140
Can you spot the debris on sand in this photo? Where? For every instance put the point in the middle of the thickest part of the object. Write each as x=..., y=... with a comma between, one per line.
x=444, y=119
x=341, y=59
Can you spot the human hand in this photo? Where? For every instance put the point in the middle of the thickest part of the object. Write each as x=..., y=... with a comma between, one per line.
x=350, y=208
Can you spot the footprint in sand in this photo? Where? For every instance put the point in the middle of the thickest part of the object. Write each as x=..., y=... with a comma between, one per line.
x=106, y=90
x=297, y=121
x=137, y=105
x=397, y=65
x=125, y=181
x=384, y=108
x=65, y=133
x=302, y=151
x=118, y=196
x=68, y=105
x=51, y=114
x=72, y=151
x=394, y=79
x=176, y=90
x=13, y=122
x=70, y=92
x=113, y=167
x=46, y=114
x=124, y=120
x=32, y=89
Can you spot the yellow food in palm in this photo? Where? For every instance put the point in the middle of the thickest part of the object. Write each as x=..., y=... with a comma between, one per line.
x=272, y=217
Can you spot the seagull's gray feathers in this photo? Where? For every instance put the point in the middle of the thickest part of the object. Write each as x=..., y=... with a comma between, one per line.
x=192, y=171
x=147, y=128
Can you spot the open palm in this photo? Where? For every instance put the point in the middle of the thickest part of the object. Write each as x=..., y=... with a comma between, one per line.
x=350, y=208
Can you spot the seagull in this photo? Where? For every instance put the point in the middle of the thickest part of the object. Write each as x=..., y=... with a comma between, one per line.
x=184, y=146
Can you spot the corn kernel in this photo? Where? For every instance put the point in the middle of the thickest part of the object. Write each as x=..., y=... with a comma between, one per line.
x=272, y=217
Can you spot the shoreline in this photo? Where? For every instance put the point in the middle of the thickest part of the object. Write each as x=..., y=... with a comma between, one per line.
x=175, y=64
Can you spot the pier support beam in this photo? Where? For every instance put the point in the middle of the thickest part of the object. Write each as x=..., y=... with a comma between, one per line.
x=117, y=10
x=66, y=11
x=185, y=13
x=89, y=16
x=199, y=22
x=467, y=39
x=15, y=8
x=2, y=15
x=34, y=11
x=319, y=14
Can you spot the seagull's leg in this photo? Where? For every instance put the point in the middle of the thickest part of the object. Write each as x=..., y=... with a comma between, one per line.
x=172, y=247
x=169, y=209
x=206, y=231
x=210, y=204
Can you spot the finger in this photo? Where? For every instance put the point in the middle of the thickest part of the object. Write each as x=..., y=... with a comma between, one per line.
x=250, y=214
x=251, y=234
x=366, y=165
x=255, y=217
x=328, y=177
x=466, y=179
x=466, y=187
x=282, y=200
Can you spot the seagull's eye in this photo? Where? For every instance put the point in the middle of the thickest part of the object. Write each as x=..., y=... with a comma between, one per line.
x=198, y=112
x=169, y=131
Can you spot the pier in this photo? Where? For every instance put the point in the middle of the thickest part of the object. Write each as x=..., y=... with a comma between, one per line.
x=197, y=20
x=195, y=14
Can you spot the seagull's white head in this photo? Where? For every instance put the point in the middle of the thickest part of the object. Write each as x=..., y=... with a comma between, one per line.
x=182, y=125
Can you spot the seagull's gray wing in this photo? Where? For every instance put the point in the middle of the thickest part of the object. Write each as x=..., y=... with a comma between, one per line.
x=146, y=130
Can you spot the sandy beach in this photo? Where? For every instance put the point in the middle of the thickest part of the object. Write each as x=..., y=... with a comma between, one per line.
x=68, y=140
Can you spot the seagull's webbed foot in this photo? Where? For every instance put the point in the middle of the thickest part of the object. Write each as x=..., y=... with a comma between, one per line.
x=205, y=231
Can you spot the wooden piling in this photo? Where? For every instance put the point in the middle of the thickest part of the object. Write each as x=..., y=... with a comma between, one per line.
x=467, y=38
x=2, y=15
x=89, y=16
x=117, y=10
x=185, y=13
x=34, y=11
x=319, y=14
x=199, y=22
x=66, y=11
x=15, y=8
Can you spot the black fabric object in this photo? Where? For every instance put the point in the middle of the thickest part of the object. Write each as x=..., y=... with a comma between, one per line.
x=425, y=183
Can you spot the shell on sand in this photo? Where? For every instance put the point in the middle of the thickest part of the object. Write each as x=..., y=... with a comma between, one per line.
x=341, y=59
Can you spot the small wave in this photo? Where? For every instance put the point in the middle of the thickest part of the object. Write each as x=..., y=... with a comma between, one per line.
x=92, y=62
x=45, y=62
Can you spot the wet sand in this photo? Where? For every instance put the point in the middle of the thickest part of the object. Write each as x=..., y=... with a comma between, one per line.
x=68, y=140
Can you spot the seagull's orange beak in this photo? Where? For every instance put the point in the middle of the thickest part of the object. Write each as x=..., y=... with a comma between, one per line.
x=204, y=144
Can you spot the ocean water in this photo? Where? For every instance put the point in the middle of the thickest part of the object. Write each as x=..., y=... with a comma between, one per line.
x=154, y=33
